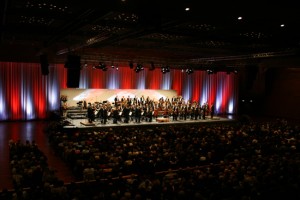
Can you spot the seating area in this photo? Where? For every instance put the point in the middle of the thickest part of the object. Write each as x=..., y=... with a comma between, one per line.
x=256, y=160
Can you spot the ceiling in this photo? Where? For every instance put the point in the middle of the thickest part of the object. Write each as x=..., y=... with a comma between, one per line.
x=144, y=31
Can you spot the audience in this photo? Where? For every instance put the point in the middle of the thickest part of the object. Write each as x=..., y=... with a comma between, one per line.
x=201, y=161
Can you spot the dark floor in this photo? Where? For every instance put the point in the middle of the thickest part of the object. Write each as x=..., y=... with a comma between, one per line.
x=29, y=130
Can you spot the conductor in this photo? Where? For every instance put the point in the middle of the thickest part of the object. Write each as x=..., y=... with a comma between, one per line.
x=90, y=113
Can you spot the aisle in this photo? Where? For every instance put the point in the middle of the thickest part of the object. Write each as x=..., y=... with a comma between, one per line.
x=29, y=130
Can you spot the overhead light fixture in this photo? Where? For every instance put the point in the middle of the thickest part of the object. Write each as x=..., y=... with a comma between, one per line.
x=210, y=71
x=139, y=67
x=165, y=69
x=101, y=66
x=189, y=71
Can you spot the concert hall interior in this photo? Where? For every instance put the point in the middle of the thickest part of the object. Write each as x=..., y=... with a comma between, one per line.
x=149, y=99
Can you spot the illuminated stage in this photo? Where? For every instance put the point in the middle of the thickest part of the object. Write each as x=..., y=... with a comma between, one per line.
x=76, y=114
x=84, y=124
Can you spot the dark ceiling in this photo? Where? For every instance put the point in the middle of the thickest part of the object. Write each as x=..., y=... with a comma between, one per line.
x=159, y=31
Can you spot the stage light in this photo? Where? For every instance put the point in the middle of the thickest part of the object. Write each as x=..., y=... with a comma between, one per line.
x=210, y=71
x=101, y=66
x=139, y=67
x=165, y=69
x=189, y=71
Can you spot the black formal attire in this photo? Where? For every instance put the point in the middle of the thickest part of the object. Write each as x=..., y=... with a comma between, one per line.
x=90, y=114
x=204, y=110
x=105, y=115
x=138, y=115
x=115, y=116
x=212, y=111
x=126, y=112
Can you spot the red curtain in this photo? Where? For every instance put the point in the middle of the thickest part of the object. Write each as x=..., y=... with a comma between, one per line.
x=26, y=94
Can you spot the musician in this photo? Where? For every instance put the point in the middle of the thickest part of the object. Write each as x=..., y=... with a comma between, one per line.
x=204, y=110
x=148, y=100
x=126, y=112
x=142, y=100
x=192, y=112
x=100, y=113
x=90, y=113
x=138, y=114
x=175, y=113
x=197, y=112
x=185, y=112
x=150, y=114
x=129, y=102
x=122, y=99
x=167, y=100
x=180, y=99
x=84, y=104
x=116, y=101
x=105, y=115
x=212, y=111
x=174, y=99
x=115, y=115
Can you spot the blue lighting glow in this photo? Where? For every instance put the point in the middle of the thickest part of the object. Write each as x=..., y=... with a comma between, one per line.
x=204, y=95
x=29, y=109
x=218, y=102
x=230, y=107
x=166, y=81
x=187, y=89
x=141, y=77
x=113, y=80
x=2, y=103
x=84, y=82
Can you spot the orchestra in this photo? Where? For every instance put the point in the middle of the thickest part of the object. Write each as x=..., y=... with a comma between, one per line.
x=145, y=109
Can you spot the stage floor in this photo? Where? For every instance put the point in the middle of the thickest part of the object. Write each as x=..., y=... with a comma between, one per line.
x=84, y=124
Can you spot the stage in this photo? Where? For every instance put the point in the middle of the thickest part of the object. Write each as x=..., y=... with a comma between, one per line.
x=84, y=124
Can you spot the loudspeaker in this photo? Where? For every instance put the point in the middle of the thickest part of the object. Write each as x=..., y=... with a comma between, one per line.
x=44, y=64
x=73, y=76
x=73, y=62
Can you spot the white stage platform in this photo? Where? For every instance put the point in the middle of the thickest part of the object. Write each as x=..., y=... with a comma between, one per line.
x=84, y=124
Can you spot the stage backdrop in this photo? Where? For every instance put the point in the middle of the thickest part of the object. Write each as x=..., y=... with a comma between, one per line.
x=26, y=94
x=99, y=95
